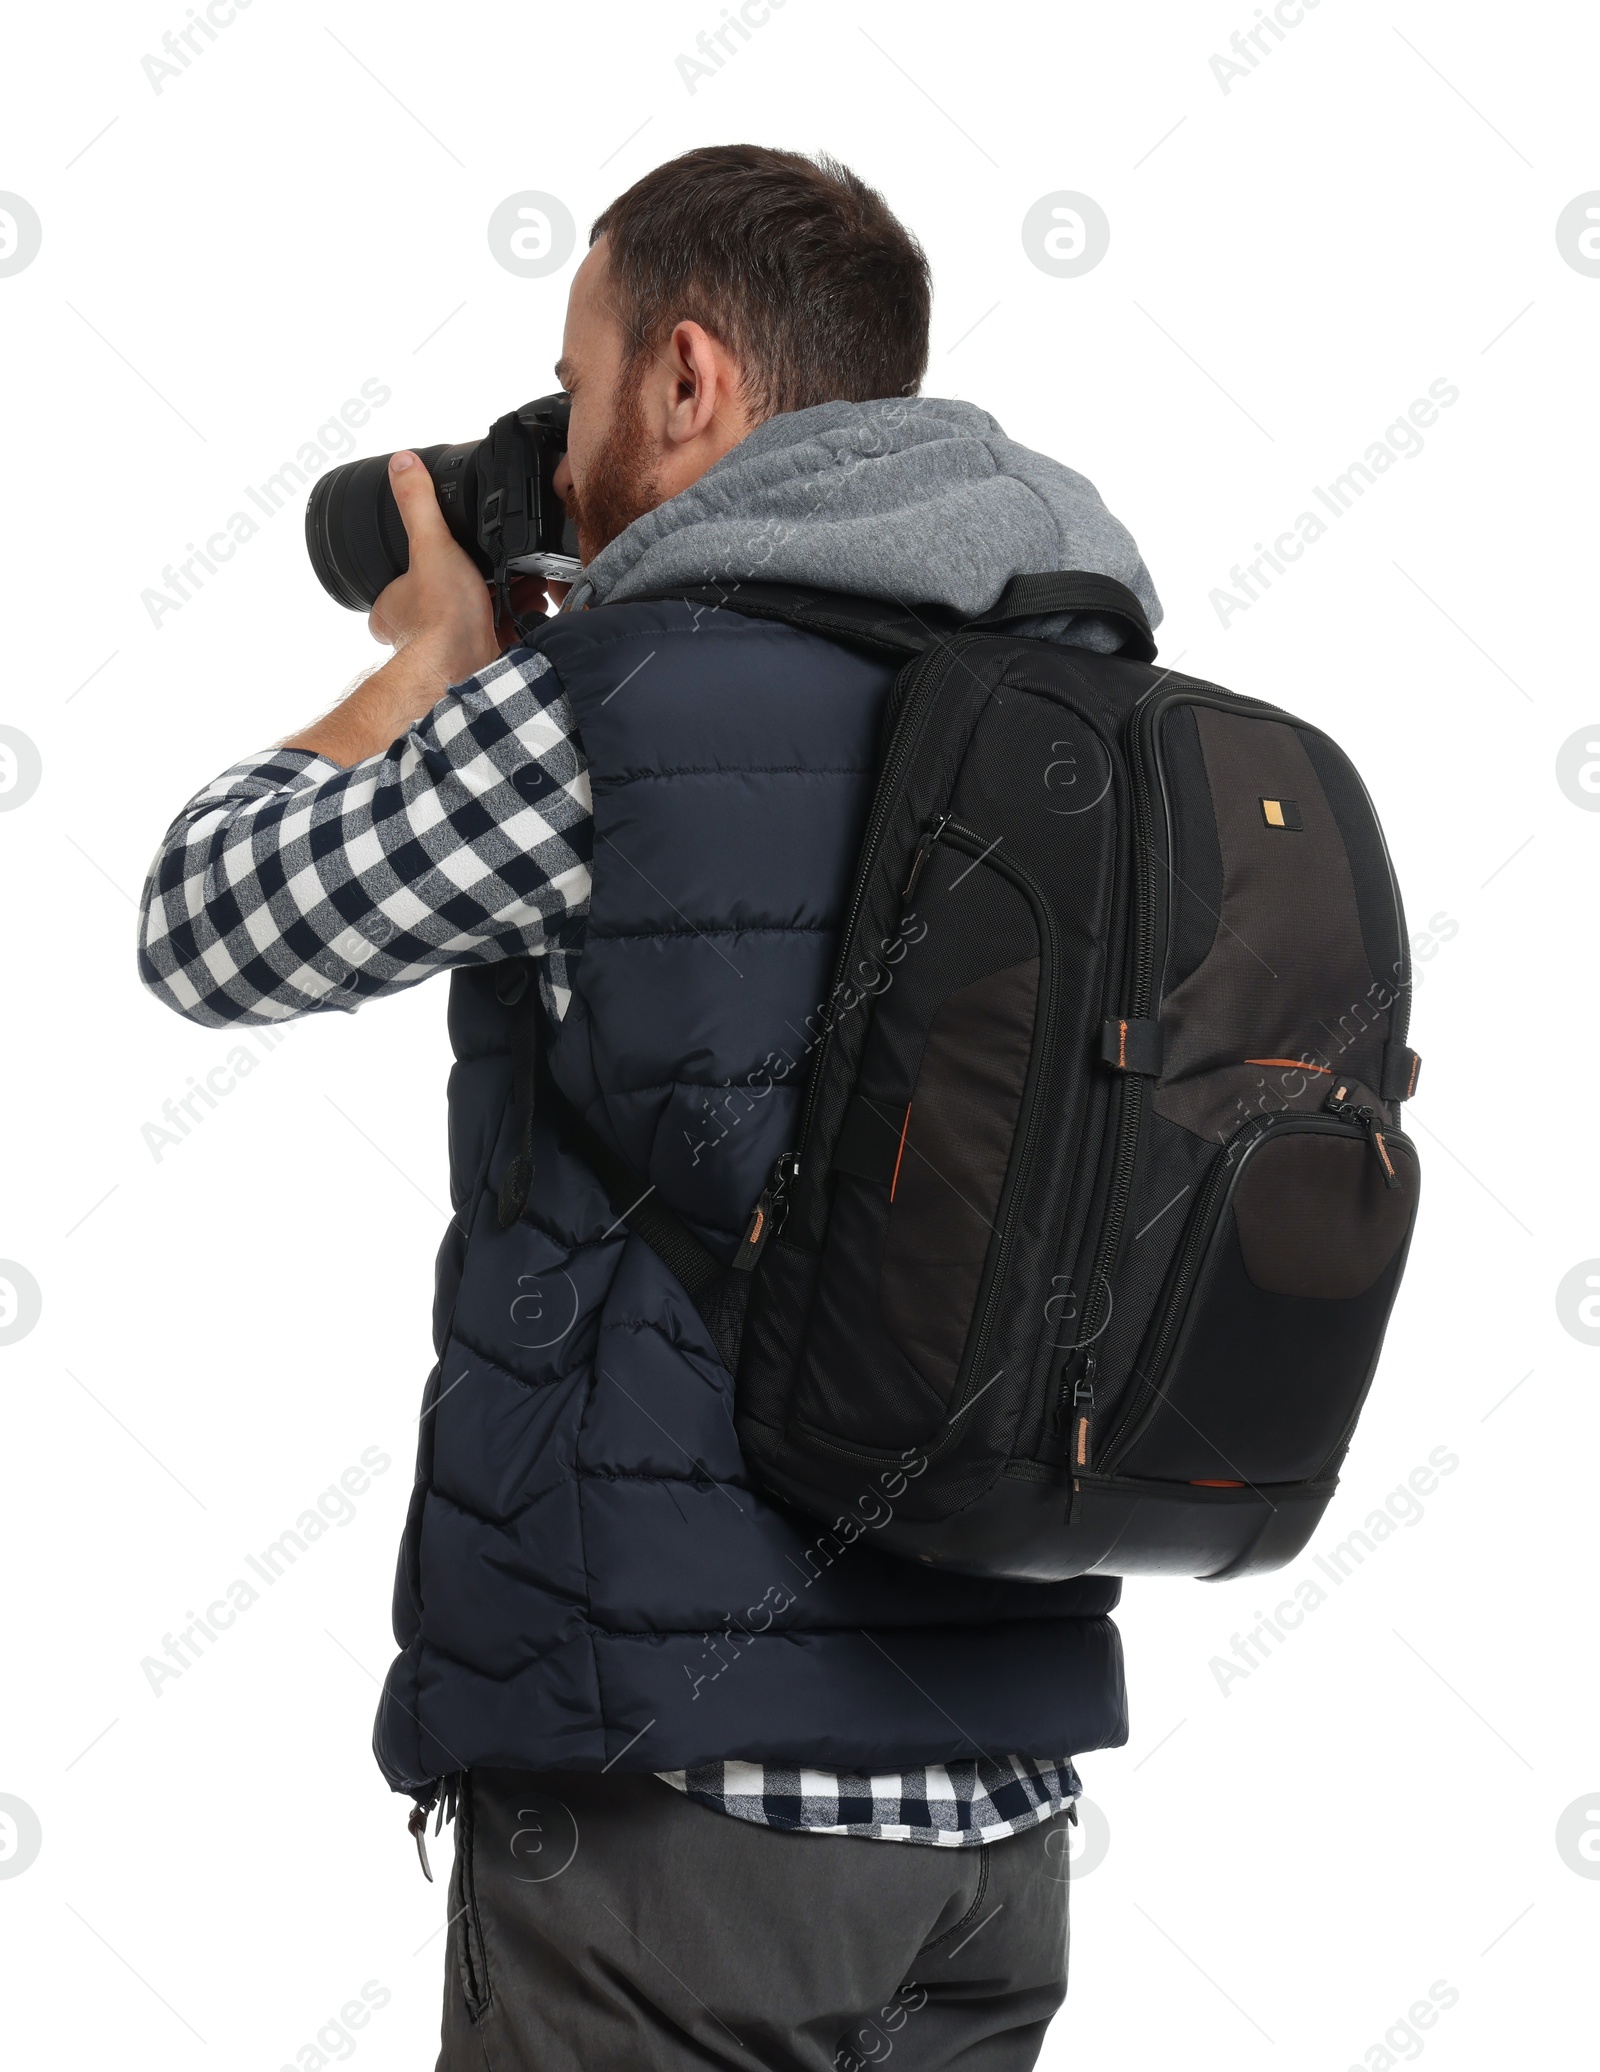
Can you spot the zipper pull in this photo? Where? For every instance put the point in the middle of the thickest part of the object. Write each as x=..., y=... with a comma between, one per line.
x=757, y=1231
x=922, y=852
x=1391, y=1179
x=1059, y=1416
x=767, y=1217
x=417, y=1826
x=1083, y=1410
x=1339, y=1104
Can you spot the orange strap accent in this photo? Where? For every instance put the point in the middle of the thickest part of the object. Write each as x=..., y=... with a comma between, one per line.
x=1293, y=1064
x=895, y=1179
x=1216, y=1485
x=1122, y=1046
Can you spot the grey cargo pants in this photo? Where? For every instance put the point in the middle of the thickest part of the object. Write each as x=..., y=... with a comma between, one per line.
x=609, y=1924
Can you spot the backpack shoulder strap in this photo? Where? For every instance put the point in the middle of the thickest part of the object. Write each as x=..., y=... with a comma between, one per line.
x=1075, y=590
x=866, y=621
x=908, y=629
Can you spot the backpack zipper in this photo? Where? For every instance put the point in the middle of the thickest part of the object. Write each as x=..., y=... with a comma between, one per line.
x=923, y=850
x=1021, y=1164
x=1175, y=1302
x=1134, y=1413
x=967, y=841
x=1130, y=1109
x=924, y=670
x=769, y=1215
x=1083, y=1410
x=1141, y=739
x=1366, y=1119
x=1141, y=736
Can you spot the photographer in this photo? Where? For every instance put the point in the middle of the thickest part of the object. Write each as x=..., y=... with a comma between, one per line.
x=729, y=1787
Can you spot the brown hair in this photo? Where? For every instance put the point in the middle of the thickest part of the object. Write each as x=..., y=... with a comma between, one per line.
x=799, y=268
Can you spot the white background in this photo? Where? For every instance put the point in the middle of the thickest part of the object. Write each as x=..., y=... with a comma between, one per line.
x=1292, y=1863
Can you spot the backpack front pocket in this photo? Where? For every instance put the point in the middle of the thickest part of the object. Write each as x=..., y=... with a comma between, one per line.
x=932, y=1155
x=954, y=1149
x=1262, y=1349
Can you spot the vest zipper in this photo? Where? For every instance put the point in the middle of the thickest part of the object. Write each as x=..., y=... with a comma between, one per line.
x=444, y=1793
x=417, y=1824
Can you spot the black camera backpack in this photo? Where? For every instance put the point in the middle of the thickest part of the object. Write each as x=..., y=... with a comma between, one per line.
x=1084, y=1256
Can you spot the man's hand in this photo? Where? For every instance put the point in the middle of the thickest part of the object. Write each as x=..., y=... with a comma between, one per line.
x=441, y=604
x=528, y=595
x=439, y=618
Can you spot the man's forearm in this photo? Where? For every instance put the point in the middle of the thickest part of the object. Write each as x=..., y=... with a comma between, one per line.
x=291, y=885
x=383, y=705
x=341, y=867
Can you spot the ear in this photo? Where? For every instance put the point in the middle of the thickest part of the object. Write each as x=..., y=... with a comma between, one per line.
x=706, y=402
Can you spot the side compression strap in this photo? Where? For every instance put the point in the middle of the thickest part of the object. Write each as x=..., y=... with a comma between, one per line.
x=716, y=1291
x=636, y=1203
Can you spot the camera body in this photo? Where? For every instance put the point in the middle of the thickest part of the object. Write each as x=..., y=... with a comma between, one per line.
x=497, y=495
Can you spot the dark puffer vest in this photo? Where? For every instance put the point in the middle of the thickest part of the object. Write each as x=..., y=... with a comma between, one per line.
x=589, y=1578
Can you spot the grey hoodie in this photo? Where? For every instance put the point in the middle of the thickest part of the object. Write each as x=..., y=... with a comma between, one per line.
x=917, y=500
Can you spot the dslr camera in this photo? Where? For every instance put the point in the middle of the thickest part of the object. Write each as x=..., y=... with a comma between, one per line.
x=497, y=495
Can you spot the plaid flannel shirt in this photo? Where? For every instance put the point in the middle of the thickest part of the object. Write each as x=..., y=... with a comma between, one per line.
x=290, y=886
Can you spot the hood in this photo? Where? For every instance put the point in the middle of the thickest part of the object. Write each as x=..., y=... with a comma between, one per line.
x=915, y=500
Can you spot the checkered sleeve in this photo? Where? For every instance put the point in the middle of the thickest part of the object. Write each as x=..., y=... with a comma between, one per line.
x=291, y=886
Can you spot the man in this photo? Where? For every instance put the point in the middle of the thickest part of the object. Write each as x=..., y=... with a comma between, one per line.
x=728, y=1790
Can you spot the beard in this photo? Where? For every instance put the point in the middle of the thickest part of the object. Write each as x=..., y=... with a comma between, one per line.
x=619, y=484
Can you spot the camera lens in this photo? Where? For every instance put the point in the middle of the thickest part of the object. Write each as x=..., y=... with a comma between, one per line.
x=354, y=533
x=497, y=495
